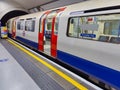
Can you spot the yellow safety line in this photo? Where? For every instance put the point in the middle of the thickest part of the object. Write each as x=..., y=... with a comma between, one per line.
x=69, y=79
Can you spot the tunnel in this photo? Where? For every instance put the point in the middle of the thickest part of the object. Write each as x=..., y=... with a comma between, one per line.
x=11, y=14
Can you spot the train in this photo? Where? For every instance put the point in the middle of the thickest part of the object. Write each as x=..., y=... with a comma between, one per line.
x=85, y=36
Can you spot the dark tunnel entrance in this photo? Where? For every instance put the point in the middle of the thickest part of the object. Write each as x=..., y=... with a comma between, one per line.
x=11, y=14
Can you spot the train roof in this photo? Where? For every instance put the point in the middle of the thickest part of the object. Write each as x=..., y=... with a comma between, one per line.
x=91, y=4
x=82, y=6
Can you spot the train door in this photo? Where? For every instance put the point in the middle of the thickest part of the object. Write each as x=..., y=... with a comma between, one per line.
x=13, y=29
x=41, y=38
x=48, y=32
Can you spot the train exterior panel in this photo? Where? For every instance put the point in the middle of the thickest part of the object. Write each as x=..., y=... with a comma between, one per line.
x=84, y=36
x=27, y=29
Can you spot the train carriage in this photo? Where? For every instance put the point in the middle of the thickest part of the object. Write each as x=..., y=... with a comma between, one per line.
x=85, y=36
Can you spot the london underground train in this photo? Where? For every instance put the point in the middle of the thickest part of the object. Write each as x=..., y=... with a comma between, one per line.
x=85, y=36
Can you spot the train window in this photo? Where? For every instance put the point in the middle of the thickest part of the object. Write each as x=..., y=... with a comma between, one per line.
x=100, y=28
x=49, y=26
x=8, y=25
x=20, y=24
x=56, y=26
x=111, y=27
x=74, y=28
x=30, y=25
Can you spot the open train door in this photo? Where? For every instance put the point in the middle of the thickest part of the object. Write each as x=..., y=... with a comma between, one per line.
x=48, y=32
x=41, y=38
x=14, y=27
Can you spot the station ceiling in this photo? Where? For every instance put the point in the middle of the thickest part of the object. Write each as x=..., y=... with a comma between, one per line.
x=27, y=4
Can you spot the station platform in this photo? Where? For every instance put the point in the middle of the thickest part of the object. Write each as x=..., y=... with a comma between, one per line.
x=12, y=75
x=23, y=69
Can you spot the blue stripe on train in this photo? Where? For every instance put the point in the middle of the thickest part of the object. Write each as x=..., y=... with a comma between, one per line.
x=28, y=42
x=103, y=73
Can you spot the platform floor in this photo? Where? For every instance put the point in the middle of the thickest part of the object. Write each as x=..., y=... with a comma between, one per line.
x=19, y=71
x=12, y=75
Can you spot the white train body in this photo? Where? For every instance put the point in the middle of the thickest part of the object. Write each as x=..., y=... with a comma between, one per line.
x=27, y=34
x=88, y=37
